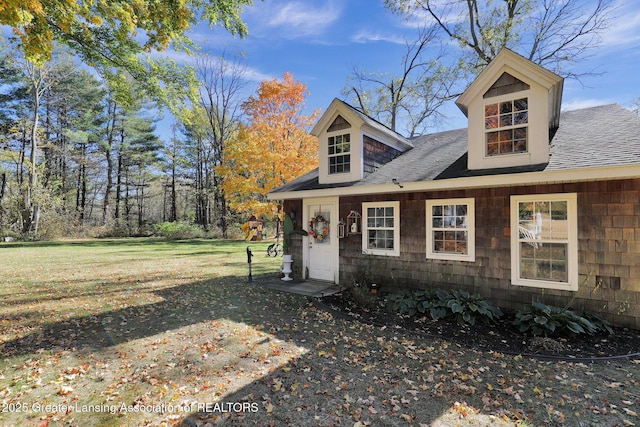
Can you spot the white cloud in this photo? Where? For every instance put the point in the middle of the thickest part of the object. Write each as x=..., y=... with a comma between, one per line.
x=624, y=26
x=299, y=19
x=364, y=36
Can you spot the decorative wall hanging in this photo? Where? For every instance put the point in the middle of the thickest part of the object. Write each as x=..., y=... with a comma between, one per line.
x=319, y=228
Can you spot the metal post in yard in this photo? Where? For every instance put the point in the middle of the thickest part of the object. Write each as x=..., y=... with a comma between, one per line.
x=249, y=256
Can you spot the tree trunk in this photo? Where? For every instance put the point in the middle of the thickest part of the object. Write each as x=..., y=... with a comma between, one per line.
x=31, y=209
x=173, y=214
x=118, y=187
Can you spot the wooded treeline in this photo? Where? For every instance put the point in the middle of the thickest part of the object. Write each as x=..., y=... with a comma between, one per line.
x=79, y=149
x=76, y=155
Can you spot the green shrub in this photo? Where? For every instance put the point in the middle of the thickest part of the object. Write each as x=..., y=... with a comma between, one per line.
x=178, y=230
x=600, y=323
x=419, y=301
x=541, y=319
x=362, y=296
x=463, y=306
x=469, y=308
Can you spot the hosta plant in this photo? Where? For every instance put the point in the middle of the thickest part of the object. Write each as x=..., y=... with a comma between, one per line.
x=470, y=308
x=463, y=306
x=547, y=320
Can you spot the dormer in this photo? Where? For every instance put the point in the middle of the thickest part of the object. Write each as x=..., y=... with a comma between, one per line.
x=352, y=144
x=513, y=108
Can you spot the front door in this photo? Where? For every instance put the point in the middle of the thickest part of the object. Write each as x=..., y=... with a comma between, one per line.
x=322, y=241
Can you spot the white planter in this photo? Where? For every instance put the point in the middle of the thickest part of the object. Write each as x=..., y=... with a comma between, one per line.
x=285, y=268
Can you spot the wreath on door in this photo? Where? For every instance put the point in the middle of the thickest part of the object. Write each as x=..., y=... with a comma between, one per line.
x=313, y=228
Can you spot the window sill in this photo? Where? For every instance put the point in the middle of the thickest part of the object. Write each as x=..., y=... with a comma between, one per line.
x=560, y=286
x=451, y=257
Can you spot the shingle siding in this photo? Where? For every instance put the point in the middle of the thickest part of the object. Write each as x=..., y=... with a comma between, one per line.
x=608, y=249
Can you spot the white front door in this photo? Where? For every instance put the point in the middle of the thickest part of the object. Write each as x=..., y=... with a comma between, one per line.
x=322, y=242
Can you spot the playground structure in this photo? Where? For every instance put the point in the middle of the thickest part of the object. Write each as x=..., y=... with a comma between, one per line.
x=252, y=229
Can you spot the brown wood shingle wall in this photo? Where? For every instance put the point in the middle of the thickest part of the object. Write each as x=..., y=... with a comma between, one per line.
x=609, y=249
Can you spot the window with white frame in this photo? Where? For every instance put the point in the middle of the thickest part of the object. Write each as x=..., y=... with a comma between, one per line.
x=381, y=228
x=451, y=229
x=544, y=241
x=505, y=125
x=339, y=151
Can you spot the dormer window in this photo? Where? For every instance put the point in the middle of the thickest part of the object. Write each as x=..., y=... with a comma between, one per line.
x=505, y=125
x=352, y=144
x=513, y=107
x=339, y=147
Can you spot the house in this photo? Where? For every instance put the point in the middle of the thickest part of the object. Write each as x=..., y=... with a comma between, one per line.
x=528, y=203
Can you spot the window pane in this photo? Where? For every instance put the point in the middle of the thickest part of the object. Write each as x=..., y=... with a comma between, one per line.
x=521, y=118
x=520, y=146
x=559, y=210
x=505, y=107
x=491, y=122
x=520, y=133
x=520, y=104
x=492, y=137
x=506, y=147
x=505, y=135
x=506, y=120
x=491, y=110
x=544, y=261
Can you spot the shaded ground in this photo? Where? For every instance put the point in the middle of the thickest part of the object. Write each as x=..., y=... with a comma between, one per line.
x=501, y=337
x=147, y=333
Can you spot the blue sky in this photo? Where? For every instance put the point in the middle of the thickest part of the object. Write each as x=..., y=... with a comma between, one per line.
x=321, y=41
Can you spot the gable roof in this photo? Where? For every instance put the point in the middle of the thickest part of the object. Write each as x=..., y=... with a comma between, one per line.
x=350, y=112
x=507, y=61
x=597, y=137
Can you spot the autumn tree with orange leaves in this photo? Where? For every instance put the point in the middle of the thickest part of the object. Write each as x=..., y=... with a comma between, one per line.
x=272, y=149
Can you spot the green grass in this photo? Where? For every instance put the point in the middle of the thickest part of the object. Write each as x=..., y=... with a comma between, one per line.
x=90, y=329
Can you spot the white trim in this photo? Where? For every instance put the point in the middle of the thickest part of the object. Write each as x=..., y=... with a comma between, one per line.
x=506, y=180
x=470, y=229
x=572, y=242
x=396, y=229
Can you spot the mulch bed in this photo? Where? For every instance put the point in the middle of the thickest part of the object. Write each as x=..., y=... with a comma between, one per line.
x=501, y=337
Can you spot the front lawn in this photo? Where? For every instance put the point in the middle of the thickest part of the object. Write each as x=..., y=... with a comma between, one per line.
x=151, y=332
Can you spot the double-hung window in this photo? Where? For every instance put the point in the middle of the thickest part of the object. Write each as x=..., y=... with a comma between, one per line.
x=451, y=229
x=544, y=241
x=339, y=147
x=381, y=228
x=505, y=125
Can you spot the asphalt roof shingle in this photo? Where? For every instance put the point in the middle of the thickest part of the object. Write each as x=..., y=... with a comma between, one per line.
x=608, y=135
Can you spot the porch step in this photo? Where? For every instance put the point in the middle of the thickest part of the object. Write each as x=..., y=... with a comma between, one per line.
x=311, y=288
